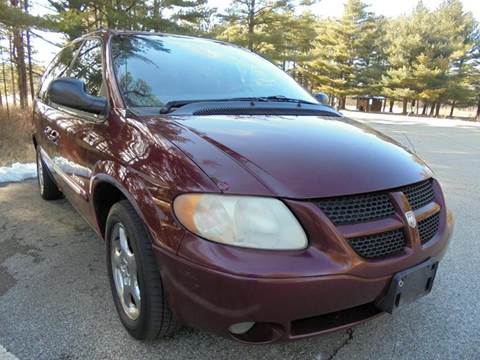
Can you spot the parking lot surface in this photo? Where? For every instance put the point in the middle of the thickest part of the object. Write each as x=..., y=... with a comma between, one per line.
x=55, y=301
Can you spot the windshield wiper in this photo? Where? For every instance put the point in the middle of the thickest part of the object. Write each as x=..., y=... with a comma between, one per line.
x=276, y=98
x=179, y=103
x=281, y=98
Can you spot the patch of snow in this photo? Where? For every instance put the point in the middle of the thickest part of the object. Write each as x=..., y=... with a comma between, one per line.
x=5, y=355
x=18, y=172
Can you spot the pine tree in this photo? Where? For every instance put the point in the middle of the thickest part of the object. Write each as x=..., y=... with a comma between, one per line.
x=348, y=56
x=430, y=56
x=245, y=19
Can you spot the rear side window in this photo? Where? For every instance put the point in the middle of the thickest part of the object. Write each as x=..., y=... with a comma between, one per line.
x=88, y=67
x=58, y=67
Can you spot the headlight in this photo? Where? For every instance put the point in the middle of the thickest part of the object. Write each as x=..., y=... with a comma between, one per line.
x=252, y=222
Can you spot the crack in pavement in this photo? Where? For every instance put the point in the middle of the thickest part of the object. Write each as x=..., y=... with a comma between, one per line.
x=344, y=343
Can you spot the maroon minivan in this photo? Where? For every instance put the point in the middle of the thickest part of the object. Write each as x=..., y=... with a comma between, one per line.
x=228, y=197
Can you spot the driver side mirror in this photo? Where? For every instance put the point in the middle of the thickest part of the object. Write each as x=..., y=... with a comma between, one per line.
x=322, y=98
x=71, y=92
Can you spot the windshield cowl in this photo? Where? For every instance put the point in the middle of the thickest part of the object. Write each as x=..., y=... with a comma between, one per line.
x=172, y=105
x=251, y=107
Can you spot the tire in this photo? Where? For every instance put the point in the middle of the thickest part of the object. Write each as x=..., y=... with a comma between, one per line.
x=145, y=313
x=46, y=185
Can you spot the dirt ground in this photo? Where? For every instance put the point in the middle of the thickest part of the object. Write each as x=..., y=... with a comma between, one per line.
x=16, y=137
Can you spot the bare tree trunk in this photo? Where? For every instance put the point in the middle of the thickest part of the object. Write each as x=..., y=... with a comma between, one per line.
x=437, y=109
x=432, y=109
x=392, y=102
x=251, y=23
x=21, y=68
x=452, y=108
x=384, y=104
x=12, y=70
x=30, y=67
x=95, y=15
x=1, y=98
x=342, y=102
x=404, y=109
x=5, y=82
x=424, y=111
x=19, y=44
x=29, y=57
x=477, y=116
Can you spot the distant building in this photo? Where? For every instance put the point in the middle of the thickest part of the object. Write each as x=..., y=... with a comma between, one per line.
x=369, y=103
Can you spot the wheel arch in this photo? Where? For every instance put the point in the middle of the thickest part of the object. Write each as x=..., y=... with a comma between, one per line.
x=105, y=194
x=113, y=182
x=105, y=191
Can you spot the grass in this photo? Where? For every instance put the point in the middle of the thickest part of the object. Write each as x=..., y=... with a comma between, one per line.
x=16, y=136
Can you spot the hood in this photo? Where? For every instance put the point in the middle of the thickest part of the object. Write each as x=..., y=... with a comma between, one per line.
x=292, y=156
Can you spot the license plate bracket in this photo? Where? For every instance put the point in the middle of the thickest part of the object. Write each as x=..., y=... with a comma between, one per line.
x=409, y=285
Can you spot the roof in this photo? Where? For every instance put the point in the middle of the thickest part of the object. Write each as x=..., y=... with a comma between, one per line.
x=135, y=32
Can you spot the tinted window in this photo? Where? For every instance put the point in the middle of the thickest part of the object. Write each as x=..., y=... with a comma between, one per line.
x=88, y=66
x=58, y=67
x=153, y=69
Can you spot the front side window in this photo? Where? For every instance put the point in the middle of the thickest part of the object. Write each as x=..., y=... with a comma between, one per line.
x=88, y=67
x=58, y=67
x=152, y=70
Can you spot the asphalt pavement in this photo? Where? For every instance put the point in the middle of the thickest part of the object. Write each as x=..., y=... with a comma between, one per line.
x=55, y=302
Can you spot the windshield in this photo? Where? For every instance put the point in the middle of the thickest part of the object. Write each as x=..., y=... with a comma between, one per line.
x=153, y=70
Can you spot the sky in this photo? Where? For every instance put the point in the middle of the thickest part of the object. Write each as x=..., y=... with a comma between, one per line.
x=324, y=8
x=380, y=7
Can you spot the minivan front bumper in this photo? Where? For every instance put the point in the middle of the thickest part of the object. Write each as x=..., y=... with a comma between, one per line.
x=299, y=293
x=211, y=300
x=283, y=308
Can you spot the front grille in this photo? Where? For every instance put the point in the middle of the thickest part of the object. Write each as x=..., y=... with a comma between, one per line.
x=379, y=245
x=419, y=194
x=427, y=228
x=358, y=208
x=344, y=210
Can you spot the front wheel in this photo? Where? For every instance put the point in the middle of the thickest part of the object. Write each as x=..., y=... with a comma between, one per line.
x=47, y=187
x=137, y=288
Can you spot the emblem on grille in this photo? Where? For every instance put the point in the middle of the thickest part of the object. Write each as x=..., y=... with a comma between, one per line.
x=411, y=219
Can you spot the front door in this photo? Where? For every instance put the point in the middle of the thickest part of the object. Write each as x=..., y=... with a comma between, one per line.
x=48, y=117
x=79, y=135
x=83, y=133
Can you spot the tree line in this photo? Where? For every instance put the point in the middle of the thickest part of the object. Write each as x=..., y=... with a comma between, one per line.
x=426, y=59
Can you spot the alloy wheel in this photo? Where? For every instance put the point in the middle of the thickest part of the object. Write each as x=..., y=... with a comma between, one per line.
x=40, y=173
x=124, y=271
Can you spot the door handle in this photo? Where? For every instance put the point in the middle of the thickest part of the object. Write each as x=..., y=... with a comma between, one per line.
x=52, y=135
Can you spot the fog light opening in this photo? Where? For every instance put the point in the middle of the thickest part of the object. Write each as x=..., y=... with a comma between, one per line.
x=256, y=332
x=241, y=328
